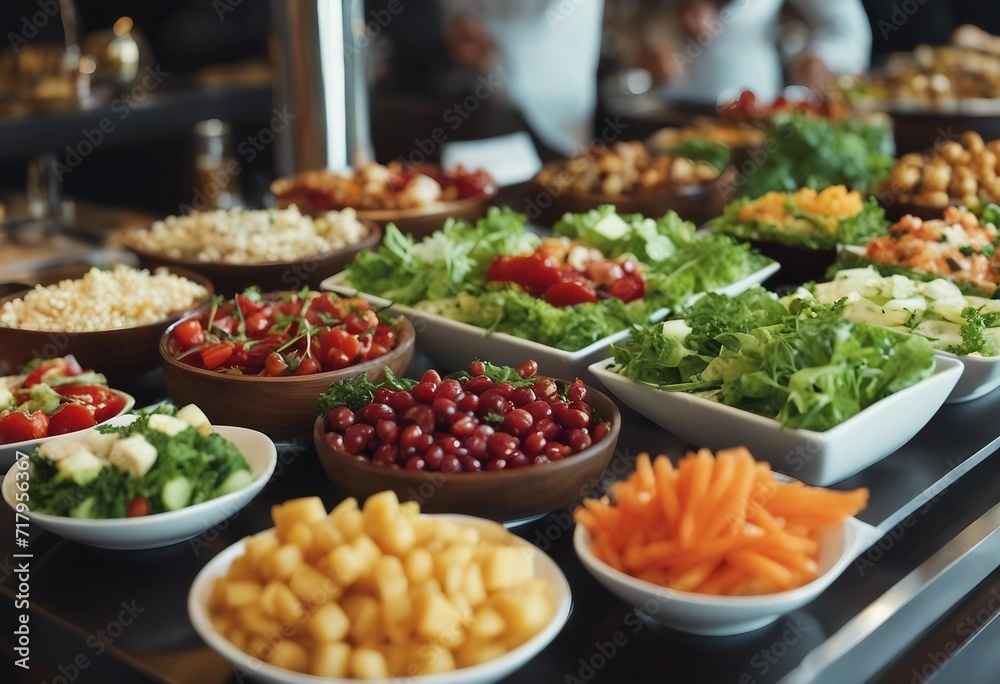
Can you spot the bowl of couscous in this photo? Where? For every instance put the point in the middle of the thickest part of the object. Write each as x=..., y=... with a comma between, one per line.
x=274, y=249
x=110, y=319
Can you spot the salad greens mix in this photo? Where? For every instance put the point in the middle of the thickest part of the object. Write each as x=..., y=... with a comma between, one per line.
x=810, y=151
x=806, y=365
x=109, y=472
x=936, y=310
x=446, y=273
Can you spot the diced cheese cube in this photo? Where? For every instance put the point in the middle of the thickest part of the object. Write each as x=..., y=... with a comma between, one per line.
x=99, y=443
x=82, y=466
x=60, y=449
x=196, y=418
x=134, y=455
x=168, y=425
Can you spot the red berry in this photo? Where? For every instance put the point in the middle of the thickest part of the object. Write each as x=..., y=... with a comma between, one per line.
x=431, y=376
x=340, y=418
x=357, y=437
x=477, y=368
x=527, y=369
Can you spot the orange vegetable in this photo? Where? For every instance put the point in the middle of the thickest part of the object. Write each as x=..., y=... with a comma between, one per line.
x=716, y=524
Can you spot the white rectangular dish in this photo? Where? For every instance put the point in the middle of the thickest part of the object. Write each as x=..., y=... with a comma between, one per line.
x=453, y=345
x=817, y=458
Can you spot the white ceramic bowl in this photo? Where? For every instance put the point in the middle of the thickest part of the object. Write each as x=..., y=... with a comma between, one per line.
x=818, y=458
x=980, y=377
x=8, y=452
x=491, y=671
x=161, y=529
x=452, y=344
x=725, y=615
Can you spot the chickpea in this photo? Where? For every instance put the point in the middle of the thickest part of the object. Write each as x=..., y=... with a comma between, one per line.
x=972, y=141
x=612, y=185
x=704, y=171
x=936, y=177
x=951, y=152
x=965, y=158
x=905, y=177
x=682, y=170
x=970, y=201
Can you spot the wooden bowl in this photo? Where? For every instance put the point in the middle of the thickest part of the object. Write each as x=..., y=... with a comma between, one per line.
x=505, y=496
x=230, y=279
x=282, y=407
x=896, y=209
x=120, y=354
x=696, y=203
x=419, y=222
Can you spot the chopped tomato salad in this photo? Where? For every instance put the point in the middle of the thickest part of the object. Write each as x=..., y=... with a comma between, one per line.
x=55, y=397
x=283, y=333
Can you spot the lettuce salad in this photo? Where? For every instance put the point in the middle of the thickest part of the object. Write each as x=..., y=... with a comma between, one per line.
x=800, y=362
x=445, y=273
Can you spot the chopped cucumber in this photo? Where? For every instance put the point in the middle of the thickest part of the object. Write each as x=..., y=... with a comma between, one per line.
x=238, y=479
x=85, y=509
x=176, y=493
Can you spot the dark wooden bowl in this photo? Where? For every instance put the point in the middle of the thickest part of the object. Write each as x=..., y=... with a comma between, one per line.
x=229, y=279
x=798, y=264
x=281, y=407
x=921, y=130
x=120, y=354
x=696, y=203
x=896, y=209
x=505, y=496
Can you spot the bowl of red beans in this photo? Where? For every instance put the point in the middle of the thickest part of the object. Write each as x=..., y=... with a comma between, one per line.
x=492, y=441
x=261, y=360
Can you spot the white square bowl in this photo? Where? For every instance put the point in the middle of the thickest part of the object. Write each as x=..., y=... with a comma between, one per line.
x=980, y=377
x=453, y=345
x=817, y=458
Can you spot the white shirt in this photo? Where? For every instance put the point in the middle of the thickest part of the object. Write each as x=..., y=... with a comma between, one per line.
x=548, y=54
x=743, y=53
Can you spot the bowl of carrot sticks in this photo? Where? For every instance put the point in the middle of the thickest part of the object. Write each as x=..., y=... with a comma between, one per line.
x=718, y=544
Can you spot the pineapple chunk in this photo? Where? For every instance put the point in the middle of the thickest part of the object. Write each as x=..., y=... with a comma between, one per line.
x=196, y=418
x=168, y=425
x=81, y=467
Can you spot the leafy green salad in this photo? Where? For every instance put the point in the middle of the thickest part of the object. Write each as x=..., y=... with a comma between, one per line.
x=810, y=151
x=936, y=310
x=806, y=365
x=446, y=273
x=163, y=461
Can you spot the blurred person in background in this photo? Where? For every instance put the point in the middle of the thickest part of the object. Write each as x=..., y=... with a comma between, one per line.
x=704, y=50
x=542, y=54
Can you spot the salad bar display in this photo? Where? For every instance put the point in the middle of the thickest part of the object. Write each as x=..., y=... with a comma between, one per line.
x=413, y=472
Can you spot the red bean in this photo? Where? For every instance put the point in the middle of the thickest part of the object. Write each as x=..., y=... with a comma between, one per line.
x=409, y=435
x=424, y=392
x=433, y=457
x=538, y=409
x=548, y=428
x=504, y=388
x=556, y=451
x=450, y=444
x=484, y=431
x=476, y=444
x=451, y=464
x=373, y=413
x=570, y=419
x=336, y=441
x=450, y=389
x=576, y=392
x=431, y=376
x=357, y=437
x=518, y=460
x=527, y=369
x=470, y=465
x=402, y=400
x=478, y=385
x=534, y=444
x=421, y=415
x=383, y=395
x=388, y=431
x=415, y=463
x=424, y=442
x=545, y=388
x=578, y=440
x=518, y=421
x=463, y=426
x=385, y=455
x=340, y=418
x=444, y=409
x=582, y=406
x=522, y=396
x=601, y=431
x=497, y=464
x=501, y=445
x=490, y=401
x=469, y=403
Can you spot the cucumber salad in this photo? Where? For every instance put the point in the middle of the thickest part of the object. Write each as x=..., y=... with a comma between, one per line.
x=163, y=461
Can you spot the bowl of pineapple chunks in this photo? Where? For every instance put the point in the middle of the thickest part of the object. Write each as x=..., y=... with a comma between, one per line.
x=378, y=592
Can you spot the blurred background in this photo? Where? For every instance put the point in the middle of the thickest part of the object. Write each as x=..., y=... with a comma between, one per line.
x=120, y=123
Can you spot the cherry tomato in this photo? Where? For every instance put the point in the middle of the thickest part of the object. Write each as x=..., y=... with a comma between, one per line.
x=35, y=376
x=139, y=507
x=569, y=294
x=189, y=333
x=628, y=288
x=275, y=364
x=215, y=355
x=71, y=418
x=307, y=366
x=18, y=427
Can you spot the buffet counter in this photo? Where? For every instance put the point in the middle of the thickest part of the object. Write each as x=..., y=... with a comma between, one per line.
x=926, y=591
